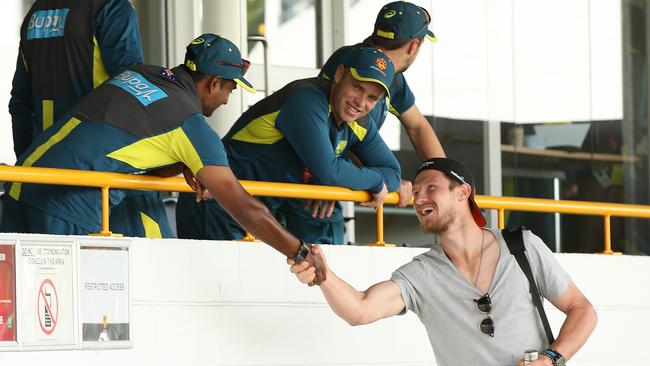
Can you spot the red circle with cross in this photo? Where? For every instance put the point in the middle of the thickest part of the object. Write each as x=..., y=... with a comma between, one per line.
x=48, y=306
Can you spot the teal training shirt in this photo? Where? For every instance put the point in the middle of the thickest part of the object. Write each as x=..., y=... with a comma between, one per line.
x=67, y=48
x=291, y=136
x=147, y=117
x=401, y=96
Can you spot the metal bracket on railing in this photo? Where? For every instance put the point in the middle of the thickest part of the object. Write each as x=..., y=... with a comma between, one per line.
x=248, y=237
x=265, y=47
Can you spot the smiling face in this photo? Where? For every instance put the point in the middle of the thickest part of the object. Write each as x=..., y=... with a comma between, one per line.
x=352, y=99
x=437, y=200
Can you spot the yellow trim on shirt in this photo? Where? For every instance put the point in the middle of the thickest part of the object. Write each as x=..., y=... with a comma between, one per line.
x=41, y=150
x=158, y=151
x=358, y=130
x=22, y=57
x=99, y=71
x=151, y=227
x=48, y=113
x=391, y=109
x=261, y=130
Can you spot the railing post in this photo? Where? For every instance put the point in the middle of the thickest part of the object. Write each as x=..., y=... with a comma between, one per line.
x=380, y=226
x=105, y=215
x=502, y=220
x=608, y=235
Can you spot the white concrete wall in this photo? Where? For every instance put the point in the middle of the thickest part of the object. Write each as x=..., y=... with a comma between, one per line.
x=226, y=303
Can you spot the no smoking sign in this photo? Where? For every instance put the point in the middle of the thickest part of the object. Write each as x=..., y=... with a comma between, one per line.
x=48, y=307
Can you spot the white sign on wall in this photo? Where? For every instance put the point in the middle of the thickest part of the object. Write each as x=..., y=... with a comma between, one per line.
x=47, y=292
x=104, y=293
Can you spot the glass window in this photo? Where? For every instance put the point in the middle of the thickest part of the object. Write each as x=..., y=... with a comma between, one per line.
x=290, y=29
x=587, y=161
x=602, y=159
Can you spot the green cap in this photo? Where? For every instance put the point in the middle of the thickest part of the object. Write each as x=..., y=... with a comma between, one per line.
x=370, y=64
x=402, y=21
x=217, y=56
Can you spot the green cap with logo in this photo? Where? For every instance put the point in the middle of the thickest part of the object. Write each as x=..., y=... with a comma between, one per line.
x=214, y=55
x=402, y=21
x=370, y=64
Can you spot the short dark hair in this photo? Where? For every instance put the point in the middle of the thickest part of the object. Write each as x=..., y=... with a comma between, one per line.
x=197, y=76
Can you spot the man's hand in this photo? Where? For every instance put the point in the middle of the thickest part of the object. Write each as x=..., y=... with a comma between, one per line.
x=325, y=207
x=541, y=361
x=313, y=270
x=405, y=192
x=377, y=198
x=201, y=192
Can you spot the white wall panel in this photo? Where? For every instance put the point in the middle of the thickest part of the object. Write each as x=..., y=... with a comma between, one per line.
x=177, y=319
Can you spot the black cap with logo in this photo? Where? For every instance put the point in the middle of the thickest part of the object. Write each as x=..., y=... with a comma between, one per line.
x=460, y=174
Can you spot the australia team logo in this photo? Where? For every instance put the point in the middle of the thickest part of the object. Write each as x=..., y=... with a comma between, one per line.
x=380, y=65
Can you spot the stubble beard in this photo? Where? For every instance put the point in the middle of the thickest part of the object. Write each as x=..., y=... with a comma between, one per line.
x=438, y=226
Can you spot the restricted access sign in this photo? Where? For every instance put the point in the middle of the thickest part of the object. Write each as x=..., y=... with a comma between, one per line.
x=47, y=292
x=7, y=293
x=105, y=308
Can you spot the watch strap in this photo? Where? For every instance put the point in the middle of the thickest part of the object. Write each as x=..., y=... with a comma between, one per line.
x=303, y=252
x=555, y=356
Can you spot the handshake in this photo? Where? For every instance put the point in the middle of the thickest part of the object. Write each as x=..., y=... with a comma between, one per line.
x=310, y=265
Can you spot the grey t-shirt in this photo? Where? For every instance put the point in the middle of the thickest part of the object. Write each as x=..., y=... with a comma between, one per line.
x=443, y=299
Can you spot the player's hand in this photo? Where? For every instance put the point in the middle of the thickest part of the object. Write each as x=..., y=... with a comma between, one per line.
x=190, y=179
x=320, y=208
x=405, y=193
x=541, y=361
x=377, y=198
x=313, y=270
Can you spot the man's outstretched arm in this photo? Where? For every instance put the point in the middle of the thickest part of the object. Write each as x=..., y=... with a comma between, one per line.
x=253, y=215
x=380, y=301
x=423, y=138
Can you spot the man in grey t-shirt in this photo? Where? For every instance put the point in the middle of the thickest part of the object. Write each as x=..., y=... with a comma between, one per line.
x=469, y=291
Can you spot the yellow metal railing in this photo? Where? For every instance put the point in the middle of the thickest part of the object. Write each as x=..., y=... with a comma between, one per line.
x=106, y=181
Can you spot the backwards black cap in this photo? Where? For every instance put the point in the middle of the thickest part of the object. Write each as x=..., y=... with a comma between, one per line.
x=460, y=174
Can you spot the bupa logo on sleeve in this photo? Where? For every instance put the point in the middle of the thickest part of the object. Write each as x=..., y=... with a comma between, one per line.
x=47, y=24
x=135, y=84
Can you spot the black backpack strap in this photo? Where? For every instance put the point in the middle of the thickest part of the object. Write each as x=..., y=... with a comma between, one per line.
x=515, y=240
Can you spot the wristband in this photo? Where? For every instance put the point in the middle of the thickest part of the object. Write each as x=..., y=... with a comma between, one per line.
x=303, y=252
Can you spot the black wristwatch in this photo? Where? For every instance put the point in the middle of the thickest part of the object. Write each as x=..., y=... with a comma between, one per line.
x=303, y=252
x=555, y=356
